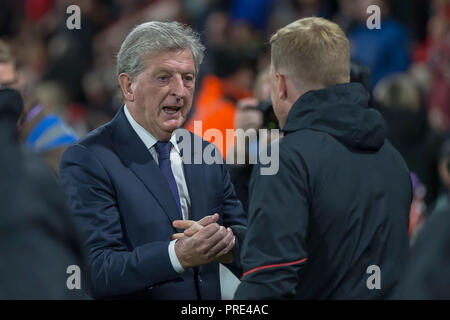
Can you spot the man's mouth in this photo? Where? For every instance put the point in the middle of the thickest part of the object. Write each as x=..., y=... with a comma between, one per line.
x=171, y=110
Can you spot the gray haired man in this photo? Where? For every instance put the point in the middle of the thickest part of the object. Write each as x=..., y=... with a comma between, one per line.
x=131, y=192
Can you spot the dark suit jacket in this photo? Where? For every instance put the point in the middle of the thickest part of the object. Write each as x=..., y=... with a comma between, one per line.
x=125, y=209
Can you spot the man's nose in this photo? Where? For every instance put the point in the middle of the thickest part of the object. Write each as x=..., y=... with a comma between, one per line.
x=177, y=88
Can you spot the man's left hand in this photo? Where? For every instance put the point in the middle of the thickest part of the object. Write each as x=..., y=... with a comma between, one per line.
x=192, y=227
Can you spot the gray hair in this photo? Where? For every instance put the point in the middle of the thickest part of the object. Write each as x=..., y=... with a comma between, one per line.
x=156, y=37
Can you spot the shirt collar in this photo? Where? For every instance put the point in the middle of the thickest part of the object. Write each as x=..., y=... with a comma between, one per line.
x=147, y=138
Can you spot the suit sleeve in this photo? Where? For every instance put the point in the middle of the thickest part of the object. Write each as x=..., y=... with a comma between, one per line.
x=115, y=269
x=274, y=249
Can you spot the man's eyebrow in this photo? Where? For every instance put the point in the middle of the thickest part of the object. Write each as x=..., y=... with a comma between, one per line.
x=162, y=70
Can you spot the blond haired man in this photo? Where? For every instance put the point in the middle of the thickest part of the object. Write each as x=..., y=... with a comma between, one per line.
x=333, y=222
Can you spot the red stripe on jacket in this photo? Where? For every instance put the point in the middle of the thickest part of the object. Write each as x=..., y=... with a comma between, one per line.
x=275, y=265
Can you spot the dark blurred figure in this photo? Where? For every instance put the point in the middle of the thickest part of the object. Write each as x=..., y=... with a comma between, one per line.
x=438, y=61
x=9, y=14
x=401, y=102
x=418, y=210
x=428, y=275
x=359, y=72
x=443, y=166
x=37, y=239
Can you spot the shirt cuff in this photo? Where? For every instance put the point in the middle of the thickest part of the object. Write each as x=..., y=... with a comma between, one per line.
x=174, y=259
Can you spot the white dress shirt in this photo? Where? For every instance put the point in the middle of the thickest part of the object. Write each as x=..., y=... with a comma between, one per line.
x=176, y=164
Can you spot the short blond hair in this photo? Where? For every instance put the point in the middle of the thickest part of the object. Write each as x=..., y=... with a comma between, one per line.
x=314, y=50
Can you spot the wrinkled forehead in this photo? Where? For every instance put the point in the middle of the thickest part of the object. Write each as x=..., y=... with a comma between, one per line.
x=179, y=60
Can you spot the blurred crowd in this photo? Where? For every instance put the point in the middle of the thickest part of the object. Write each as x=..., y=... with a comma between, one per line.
x=68, y=83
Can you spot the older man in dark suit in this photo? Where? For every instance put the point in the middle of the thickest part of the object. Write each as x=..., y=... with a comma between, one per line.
x=131, y=188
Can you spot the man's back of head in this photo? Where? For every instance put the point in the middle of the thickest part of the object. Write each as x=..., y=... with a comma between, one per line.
x=307, y=54
x=313, y=50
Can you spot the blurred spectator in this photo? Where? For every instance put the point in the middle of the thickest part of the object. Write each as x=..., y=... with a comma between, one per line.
x=359, y=72
x=418, y=207
x=442, y=200
x=254, y=114
x=38, y=241
x=401, y=103
x=216, y=101
x=286, y=11
x=42, y=126
x=438, y=58
x=43, y=130
x=248, y=116
x=385, y=50
x=255, y=12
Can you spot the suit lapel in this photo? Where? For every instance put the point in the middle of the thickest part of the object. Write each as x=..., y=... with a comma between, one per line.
x=138, y=159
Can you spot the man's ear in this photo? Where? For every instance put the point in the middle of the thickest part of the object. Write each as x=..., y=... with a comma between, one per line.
x=282, y=86
x=125, y=82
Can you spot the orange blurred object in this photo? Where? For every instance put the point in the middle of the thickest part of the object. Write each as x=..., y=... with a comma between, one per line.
x=216, y=108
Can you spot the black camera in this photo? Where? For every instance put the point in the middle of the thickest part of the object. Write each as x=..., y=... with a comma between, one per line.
x=270, y=121
x=359, y=72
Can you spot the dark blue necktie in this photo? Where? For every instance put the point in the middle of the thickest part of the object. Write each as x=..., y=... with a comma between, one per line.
x=163, y=149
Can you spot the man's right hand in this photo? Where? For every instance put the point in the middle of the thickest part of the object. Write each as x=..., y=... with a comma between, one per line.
x=204, y=246
x=191, y=227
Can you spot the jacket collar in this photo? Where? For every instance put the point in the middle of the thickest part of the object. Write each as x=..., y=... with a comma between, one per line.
x=147, y=138
x=341, y=111
x=135, y=156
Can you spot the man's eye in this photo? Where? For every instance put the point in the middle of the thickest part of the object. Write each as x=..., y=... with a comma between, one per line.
x=189, y=79
x=163, y=78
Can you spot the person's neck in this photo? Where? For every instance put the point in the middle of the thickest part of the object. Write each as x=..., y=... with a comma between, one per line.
x=297, y=91
x=163, y=137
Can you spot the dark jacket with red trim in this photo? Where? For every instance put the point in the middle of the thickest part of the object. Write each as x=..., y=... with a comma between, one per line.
x=338, y=205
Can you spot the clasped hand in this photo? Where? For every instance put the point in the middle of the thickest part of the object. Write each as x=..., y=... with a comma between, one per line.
x=203, y=241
